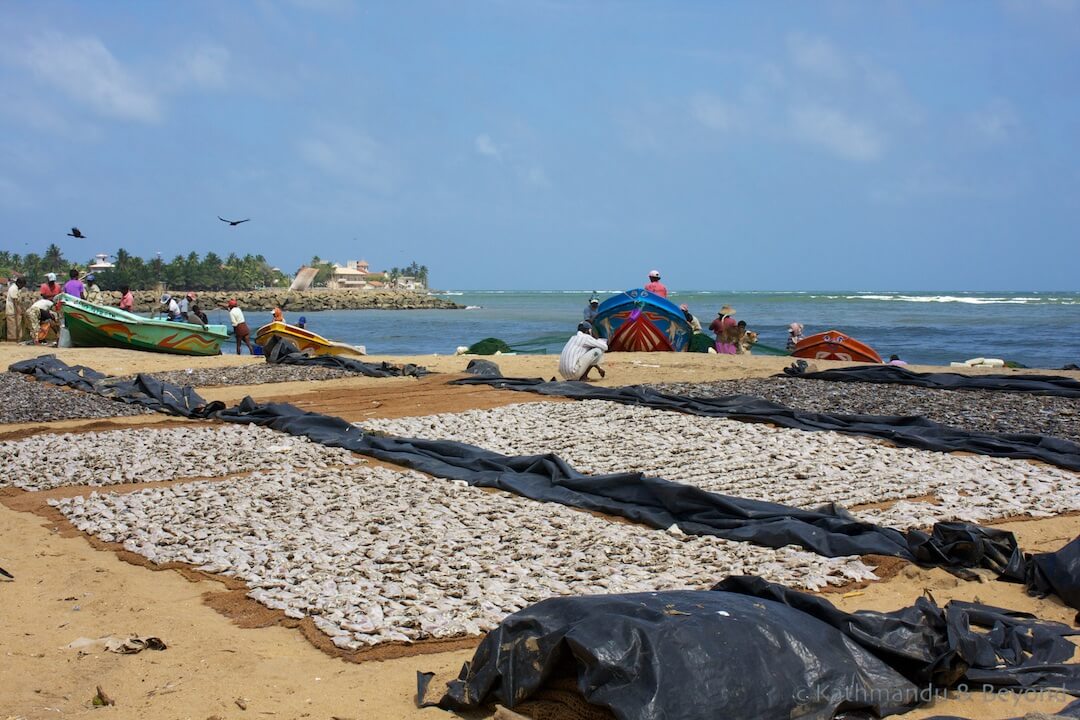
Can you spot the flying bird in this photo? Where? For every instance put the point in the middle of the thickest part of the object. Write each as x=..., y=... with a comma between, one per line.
x=233, y=223
x=76, y=233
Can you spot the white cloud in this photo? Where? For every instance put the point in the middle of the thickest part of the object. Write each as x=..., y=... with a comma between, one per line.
x=205, y=66
x=713, y=113
x=836, y=132
x=817, y=56
x=85, y=70
x=998, y=122
x=487, y=147
x=350, y=155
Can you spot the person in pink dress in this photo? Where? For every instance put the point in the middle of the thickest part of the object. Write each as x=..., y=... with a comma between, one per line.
x=655, y=286
x=726, y=329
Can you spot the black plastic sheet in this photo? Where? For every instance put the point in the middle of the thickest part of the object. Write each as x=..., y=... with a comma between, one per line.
x=1057, y=573
x=282, y=352
x=144, y=390
x=910, y=431
x=749, y=648
x=894, y=375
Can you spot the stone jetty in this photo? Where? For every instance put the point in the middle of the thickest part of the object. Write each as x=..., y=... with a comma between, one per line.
x=306, y=301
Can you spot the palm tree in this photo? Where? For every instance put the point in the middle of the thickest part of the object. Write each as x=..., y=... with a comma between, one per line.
x=54, y=258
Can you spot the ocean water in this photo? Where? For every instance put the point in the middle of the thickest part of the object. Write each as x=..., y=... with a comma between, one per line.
x=1036, y=329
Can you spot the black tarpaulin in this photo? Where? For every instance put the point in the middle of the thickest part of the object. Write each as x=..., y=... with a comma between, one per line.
x=749, y=648
x=144, y=390
x=282, y=352
x=893, y=375
x=910, y=431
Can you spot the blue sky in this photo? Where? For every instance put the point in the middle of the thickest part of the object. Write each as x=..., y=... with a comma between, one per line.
x=535, y=144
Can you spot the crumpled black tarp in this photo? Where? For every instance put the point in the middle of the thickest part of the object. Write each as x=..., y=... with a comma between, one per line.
x=749, y=648
x=483, y=368
x=829, y=530
x=895, y=375
x=283, y=352
x=144, y=390
x=1057, y=573
x=912, y=431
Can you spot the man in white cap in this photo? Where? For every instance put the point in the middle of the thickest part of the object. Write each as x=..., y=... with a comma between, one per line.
x=655, y=286
x=50, y=288
x=581, y=354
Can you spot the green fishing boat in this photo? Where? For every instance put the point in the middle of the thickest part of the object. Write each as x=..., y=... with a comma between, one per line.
x=93, y=325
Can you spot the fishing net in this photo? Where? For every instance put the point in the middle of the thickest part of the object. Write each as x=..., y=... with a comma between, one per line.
x=701, y=343
x=489, y=346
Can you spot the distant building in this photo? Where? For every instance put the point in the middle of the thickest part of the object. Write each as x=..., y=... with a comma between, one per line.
x=101, y=262
x=357, y=275
x=348, y=276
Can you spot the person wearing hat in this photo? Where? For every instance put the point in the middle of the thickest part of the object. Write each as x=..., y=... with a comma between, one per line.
x=591, y=310
x=725, y=329
x=93, y=292
x=581, y=354
x=185, y=307
x=240, y=327
x=50, y=288
x=655, y=286
x=172, y=308
x=302, y=322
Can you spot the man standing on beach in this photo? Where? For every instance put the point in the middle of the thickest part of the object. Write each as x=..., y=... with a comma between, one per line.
x=14, y=309
x=581, y=354
x=74, y=287
x=655, y=286
x=240, y=327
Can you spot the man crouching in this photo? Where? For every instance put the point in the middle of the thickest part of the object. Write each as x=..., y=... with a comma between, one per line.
x=581, y=354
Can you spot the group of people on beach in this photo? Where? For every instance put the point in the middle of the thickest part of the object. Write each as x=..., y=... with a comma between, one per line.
x=38, y=322
x=586, y=348
x=35, y=321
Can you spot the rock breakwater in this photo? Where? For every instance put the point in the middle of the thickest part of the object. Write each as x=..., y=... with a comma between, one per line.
x=307, y=301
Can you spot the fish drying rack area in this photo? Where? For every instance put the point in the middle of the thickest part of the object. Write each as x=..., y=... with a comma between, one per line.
x=375, y=554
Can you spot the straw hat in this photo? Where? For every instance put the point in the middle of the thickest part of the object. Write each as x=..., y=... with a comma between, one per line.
x=726, y=310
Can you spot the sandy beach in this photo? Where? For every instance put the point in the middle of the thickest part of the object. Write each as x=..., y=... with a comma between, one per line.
x=229, y=656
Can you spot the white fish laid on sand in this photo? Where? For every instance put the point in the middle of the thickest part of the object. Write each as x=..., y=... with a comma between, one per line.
x=759, y=461
x=376, y=555
x=151, y=454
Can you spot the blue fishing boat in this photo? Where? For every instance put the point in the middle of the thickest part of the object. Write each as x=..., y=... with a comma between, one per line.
x=640, y=321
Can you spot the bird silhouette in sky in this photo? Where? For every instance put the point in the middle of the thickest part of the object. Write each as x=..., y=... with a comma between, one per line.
x=76, y=233
x=233, y=223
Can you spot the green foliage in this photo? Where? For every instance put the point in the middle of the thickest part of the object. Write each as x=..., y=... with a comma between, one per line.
x=250, y=272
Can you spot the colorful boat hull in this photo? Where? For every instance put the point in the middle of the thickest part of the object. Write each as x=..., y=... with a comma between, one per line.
x=835, y=345
x=91, y=325
x=305, y=340
x=640, y=321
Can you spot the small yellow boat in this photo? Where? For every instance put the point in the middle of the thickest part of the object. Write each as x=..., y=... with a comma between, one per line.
x=305, y=341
